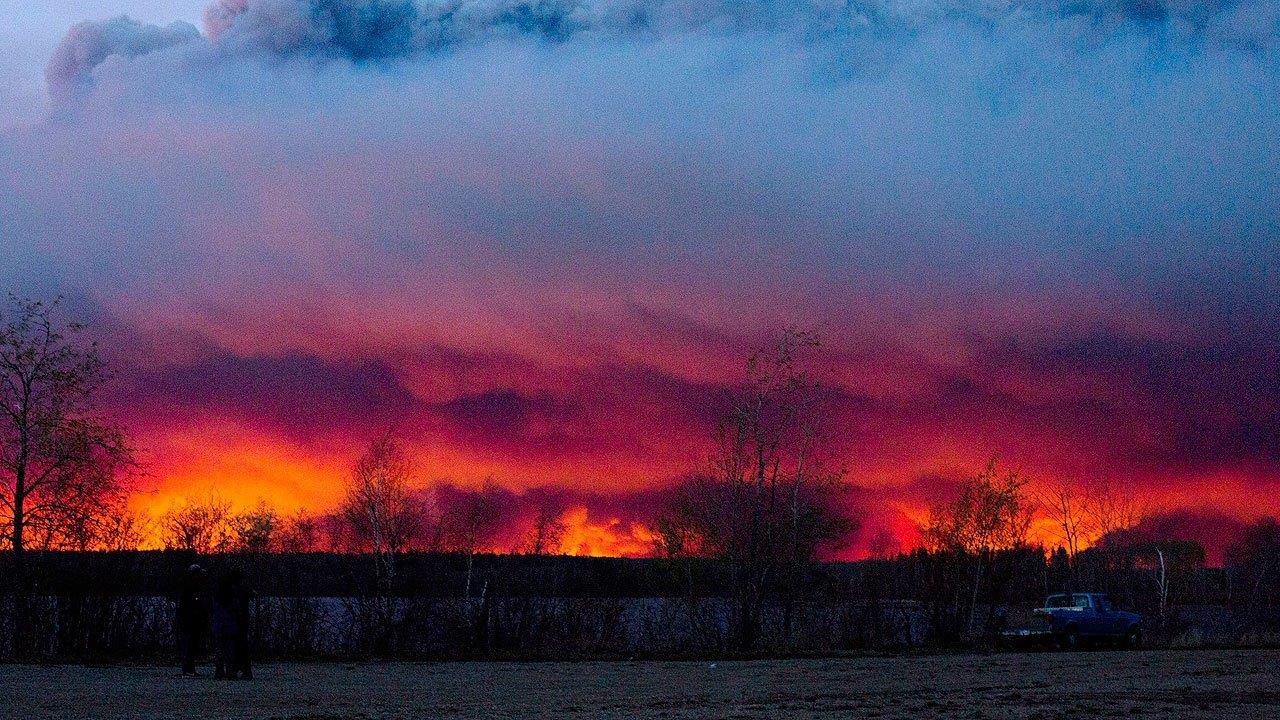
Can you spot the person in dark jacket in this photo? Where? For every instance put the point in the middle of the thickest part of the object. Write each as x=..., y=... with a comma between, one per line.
x=224, y=628
x=244, y=598
x=231, y=628
x=190, y=616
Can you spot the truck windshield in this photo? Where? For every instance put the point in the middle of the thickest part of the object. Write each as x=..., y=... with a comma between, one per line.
x=1067, y=601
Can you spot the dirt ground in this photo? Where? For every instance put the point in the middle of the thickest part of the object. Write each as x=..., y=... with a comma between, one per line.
x=1145, y=684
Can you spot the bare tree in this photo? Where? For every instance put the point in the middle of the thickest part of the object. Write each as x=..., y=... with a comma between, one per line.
x=770, y=497
x=199, y=525
x=474, y=518
x=86, y=518
x=123, y=529
x=1172, y=564
x=382, y=510
x=1067, y=508
x=255, y=530
x=991, y=513
x=300, y=533
x=1112, y=507
x=60, y=464
x=548, y=528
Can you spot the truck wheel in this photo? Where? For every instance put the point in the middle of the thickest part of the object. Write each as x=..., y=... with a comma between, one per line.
x=1133, y=639
x=1069, y=640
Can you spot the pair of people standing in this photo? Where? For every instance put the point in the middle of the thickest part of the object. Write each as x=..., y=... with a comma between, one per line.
x=228, y=609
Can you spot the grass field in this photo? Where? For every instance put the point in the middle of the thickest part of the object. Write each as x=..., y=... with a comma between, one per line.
x=1145, y=684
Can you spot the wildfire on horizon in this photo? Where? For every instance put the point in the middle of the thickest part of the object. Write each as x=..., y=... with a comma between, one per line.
x=888, y=521
x=541, y=250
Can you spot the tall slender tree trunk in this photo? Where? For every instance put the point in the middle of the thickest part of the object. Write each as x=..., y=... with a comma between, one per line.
x=21, y=579
x=751, y=591
x=1164, y=586
x=19, y=522
x=973, y=605
x=466, y=591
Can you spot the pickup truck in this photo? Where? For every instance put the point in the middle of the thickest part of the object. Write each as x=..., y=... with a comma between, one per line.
x=1069, y=620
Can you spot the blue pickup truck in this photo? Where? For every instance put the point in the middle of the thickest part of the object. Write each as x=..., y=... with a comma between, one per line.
x=1070, y=620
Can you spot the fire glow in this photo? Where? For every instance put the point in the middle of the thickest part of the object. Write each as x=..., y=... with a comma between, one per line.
x=543, y=258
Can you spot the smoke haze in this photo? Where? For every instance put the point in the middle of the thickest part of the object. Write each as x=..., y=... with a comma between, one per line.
x=542, y=235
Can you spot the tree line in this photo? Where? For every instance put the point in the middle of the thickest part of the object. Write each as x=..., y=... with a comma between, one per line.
x=770, y=498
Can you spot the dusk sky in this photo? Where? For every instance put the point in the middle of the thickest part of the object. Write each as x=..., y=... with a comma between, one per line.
x=538, y=238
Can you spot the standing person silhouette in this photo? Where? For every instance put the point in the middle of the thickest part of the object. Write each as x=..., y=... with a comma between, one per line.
x=190, y=617
x=224, y=628
x=244, y=598
x=231, y=603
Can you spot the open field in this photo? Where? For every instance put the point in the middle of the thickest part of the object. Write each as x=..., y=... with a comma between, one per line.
x=1148, y=684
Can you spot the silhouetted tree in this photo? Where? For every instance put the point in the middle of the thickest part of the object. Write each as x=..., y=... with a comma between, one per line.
x=255, y=530
x=60, y=463
x=1171, y=564
x=1113, y=510
x=1112, y=507
x=199, y=525
x=991, y=513
x=382, y=510
x=300, y=533
x=382, y=513
x=1255, y=559
x=123, y=529
x=548, y=525
x=472, y=521
x=99, y=521
x=1065, y=506
x=770, y=496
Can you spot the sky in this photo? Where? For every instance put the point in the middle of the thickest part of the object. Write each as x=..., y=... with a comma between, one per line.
x=538, y=238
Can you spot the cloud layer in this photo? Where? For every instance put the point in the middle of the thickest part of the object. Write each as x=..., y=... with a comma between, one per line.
x=541, y=235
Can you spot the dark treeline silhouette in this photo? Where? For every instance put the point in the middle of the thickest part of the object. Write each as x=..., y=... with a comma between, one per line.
x=118, y=605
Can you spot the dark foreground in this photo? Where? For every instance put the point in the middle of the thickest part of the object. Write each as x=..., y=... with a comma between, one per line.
x=1147, y=684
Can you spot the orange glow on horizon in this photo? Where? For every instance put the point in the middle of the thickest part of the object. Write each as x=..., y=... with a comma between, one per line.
x=610, y=538
x=243, y=467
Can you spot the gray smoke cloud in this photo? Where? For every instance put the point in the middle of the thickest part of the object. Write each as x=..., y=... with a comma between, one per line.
x=90, y=44
x=364, y=31
x=1131, y=143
